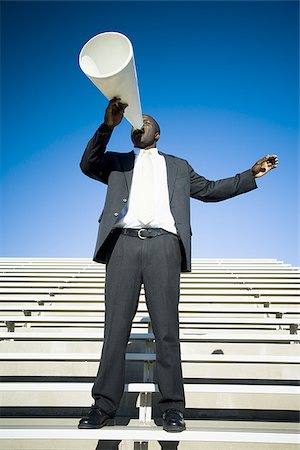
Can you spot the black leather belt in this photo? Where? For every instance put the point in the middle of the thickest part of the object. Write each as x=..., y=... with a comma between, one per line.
x=144, y=233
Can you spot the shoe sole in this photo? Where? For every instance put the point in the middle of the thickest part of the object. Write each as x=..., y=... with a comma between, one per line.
x=109, y=422
x=174, y=429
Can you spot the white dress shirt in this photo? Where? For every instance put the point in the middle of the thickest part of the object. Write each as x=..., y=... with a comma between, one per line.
x=162, y=214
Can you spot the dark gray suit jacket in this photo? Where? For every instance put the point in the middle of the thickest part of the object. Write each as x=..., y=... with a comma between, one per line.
x=115, y=169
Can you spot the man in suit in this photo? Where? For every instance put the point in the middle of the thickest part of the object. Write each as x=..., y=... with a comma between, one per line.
x=145, y=238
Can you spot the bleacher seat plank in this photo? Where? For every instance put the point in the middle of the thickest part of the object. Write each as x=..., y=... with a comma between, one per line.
x=150, y=433
x=188, y=337
x=29, y=335
x=187, y=320
x=151, y=387
x=192, y=357
x=247, y=298
x=224, y=290
x=209, y=275
x=267, y=321
x=235, y=283
x=100, y=307
x=194, y=278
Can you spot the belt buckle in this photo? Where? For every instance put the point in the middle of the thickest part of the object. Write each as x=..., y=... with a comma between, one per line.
x=139, y=235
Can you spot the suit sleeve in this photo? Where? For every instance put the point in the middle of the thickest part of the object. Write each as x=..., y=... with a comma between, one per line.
x=216, y=191
x=95, y=162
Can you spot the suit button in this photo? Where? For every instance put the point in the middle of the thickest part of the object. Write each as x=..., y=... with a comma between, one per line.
x=116, y=214
x=124, y=200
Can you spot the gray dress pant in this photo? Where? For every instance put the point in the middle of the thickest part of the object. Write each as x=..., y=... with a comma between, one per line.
x=154, y=262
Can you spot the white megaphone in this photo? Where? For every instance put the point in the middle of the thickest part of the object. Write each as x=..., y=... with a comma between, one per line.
x=107, y=60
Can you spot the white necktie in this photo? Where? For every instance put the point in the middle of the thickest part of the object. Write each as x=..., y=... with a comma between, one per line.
x=146, y=190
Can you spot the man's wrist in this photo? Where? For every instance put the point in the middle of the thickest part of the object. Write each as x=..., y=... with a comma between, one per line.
x=254, y=173
x=104, y=128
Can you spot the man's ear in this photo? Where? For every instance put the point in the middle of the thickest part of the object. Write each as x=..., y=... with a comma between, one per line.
x=157, y=135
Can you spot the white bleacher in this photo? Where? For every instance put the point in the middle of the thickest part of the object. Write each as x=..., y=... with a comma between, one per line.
x=239, y=322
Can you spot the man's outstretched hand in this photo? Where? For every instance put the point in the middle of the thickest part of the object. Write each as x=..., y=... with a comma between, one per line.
x=114, y=112
x=264, y=165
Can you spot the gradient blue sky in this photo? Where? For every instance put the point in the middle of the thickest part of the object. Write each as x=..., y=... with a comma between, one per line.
x=221, y=78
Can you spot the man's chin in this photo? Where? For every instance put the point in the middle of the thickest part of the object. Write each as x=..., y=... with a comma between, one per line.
x=140, y=144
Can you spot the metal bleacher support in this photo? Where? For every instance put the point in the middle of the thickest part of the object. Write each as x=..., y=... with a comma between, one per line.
x=239, y=336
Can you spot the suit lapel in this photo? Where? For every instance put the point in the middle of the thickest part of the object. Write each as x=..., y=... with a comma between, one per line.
x=128, y=165
x=171, y=172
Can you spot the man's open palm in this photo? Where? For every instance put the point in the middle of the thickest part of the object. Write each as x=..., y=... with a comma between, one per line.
x=264, y=165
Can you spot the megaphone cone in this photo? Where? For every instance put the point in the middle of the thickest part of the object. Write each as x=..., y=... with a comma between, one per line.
x=107, y=60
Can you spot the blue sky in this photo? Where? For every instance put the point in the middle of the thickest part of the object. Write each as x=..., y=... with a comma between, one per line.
x=221, y=78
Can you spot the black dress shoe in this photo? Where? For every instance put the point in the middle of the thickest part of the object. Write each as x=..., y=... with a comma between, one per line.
x=95, y=419
x=173, y=420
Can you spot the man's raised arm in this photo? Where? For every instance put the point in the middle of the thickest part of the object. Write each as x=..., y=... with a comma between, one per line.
x=94, y=160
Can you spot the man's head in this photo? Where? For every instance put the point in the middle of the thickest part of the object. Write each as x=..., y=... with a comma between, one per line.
x=148, y=136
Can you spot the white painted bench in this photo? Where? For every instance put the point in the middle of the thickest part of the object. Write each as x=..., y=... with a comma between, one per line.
x=88, y=262
x=152, y=433
x=197, y=286
x=190, y=322
x=218, y=275
x=50, y=277
x=27, y=309
x=197, y=292
x=280, y=336
x=247, y=298
x=151, y=388
x=191, y=357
